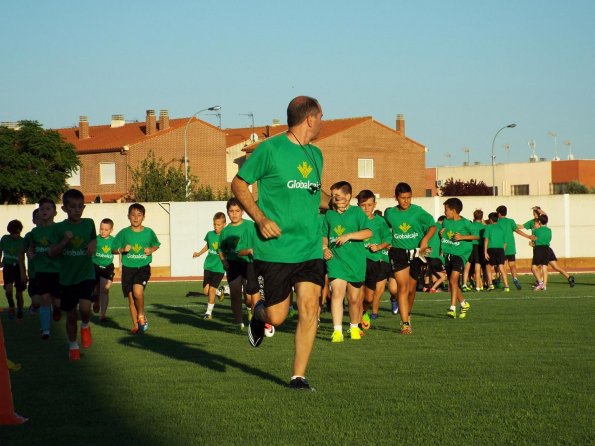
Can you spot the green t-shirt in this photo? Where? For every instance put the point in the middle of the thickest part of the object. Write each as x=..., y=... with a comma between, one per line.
x=11, y=247
x=235, y=238
x=103, y=252
x=380, y=234
x=408, y=226
x=30, y=261
x=478, y=229
x=76, y=265
x=544, y=236
x=495, y=236
x=530, y=224
x=349, y=260
x=435, y=244
x=42, y=237
x=138, y=241
x=213, y=261
x=285, y=173
x=460, y=248
x=508, y=225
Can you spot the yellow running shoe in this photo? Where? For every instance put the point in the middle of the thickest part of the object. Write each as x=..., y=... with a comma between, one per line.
x=355, y=334
x=464, y=309
x=337, y=336
x=405, y=328
x=452, y=313
x=366, y=322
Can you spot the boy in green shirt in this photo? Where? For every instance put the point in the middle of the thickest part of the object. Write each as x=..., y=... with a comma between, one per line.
x=476, y=260
x=13, y=267
x=494, y=247
x=32, y=287
x=436, y=274
x=213, y=268
x=457, y=236
x=75, y=249
x=136, y=244
x=344, y=229
x=103, y=262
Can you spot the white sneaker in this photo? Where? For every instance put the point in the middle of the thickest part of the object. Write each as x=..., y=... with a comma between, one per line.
x=269, y=330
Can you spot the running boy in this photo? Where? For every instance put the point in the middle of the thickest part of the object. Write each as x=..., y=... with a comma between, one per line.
x=457, y=235
x=436, y=270
x=476, y=258
x=412, y=229
x=136, y=244
x=13, y=267
x=343, y=231
x=103, y=262
x=32, y=287
x=213, y=268
x=494, y=247
x=510, y=227
x=75, y=251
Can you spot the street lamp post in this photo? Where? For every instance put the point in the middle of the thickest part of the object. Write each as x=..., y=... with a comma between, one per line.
x=509, y=126
x=214, y=108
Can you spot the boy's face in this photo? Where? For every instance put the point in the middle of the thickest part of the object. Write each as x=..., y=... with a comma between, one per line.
x=136, y=218
x=404, y=200
x=235, y=213
x=368, y=206
x=36, y=219
x=47, y=212
x=74, y=209
x=450, y=213
x=105, y=229
x=340, y=199
x=218, y=225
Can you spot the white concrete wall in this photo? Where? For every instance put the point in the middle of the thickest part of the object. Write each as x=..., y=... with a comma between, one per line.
x=181, y=227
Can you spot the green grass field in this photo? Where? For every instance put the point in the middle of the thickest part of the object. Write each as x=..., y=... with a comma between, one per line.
x=518, y=370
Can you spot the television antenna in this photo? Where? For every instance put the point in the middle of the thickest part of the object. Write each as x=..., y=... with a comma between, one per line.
x=568, y=144
x=532, y=146
x=506, y=148
x=448, y=156
x=555, y=136
x=218, y=114
x=467, y=150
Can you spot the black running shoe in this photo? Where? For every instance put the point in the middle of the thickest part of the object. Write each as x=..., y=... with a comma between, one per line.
x=571, y=281
x=256, y=327
x=300, y=383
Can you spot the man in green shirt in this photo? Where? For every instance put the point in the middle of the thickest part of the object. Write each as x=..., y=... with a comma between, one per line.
x=287, y=250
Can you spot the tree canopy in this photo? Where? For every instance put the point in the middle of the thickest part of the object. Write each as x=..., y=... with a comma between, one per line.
x=460, y=188
x=34, y=163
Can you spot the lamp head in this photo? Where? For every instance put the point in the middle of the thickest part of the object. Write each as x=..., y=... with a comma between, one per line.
x=214, y=108
x=511, y=126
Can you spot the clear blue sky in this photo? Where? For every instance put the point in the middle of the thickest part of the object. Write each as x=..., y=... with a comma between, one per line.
x=457, y=70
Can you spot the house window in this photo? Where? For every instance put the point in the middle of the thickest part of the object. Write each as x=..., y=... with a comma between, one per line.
x=520, y=189
x=365, y=168
x=75, y=177
x=107, y=173
x=559, y=188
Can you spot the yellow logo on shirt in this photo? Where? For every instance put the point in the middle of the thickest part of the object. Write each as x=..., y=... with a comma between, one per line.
x=450, y=234
x=76, y=242
x=136, y=248
x=105, y=249
x=339, y=230
x=305, y=169
x=405, y=227
x=215, y=245
x=44, y=241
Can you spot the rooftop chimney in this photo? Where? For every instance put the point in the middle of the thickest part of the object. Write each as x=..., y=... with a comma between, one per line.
x=400, y=125
x=83, y=127
x=118, y=121
x=163, y=119
x=151, y=123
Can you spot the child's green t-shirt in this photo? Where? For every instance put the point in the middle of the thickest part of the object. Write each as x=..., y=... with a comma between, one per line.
x=42, y=237
x=478, y=229
x=76, y=265
x=408, y=226
x=508, y=225
x=460, y=248
x=495, y=236
x=380, y=234
x=544, y=236
x=435, y=244
x=30, y=261
x=235, y=238
x=11, y=247
x=136, y=257
x=349, y=260
x=213, y=261
x=103, y=253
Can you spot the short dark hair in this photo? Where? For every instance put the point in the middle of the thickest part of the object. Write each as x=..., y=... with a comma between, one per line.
x=46, y=200
x=442, y=218
x=455, y=204
x=14, y=227
x=343, y=186
x=219, y=216
x=233, y=201
x=378, y=212
x=300, y=108
x=139, y=207
x=72, y=194
x=493, y=217
x=107, y=221
x=502, y=210
x=477, y=214
x=35, y=213
x=402, y=188
x=543, y=219
x=364, y=195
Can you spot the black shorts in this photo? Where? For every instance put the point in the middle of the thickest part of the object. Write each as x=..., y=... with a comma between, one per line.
x=541, y=255
x=406, y=258
x=32, y=286
x=475, y=256
x=510, y=257
x=48, y=283
x=375, y=272
x=212, y=278
x=496, y=256
x=435, y=266
x=277, y=279
x=134, y=276
x=454, y=263
x=12, y=274
x=238, y=268
x=551, y=257
x=385, y=270
x=71, y=294
x=105, y=272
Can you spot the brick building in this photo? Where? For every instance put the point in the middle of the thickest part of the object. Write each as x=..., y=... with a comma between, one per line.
x=106, y=151
x=362, y=151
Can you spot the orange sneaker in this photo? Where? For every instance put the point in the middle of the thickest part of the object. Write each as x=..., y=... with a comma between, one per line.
x=74, y=354
x=86, y=339
x=134, y=330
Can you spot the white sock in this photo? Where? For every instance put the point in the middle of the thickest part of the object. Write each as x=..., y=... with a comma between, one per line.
x=73, y=345
x=352, y=325
x=453, y=308
x=463, y=303
x=297, y=376
x=210, y=308
x=84, y=324
x=338, y=328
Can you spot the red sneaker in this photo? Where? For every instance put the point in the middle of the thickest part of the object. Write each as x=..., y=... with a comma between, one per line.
x=86, y=339
x=134, y=330
x=56, y=314
x=74, y=354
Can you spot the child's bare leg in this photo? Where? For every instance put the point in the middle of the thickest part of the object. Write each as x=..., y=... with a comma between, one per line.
x=235, y=297
x=441, y=279
x=455, y=291
x=466, y=273
x=503, y=275
x=411, y=294
x=71, y=324
x=536, y=270
x=354, y=301
x=104, y=286
x=339, y=287
x=403, y=280
x=9, y=298
x=133, y=312
x=380, y=287
x=545, y=274
x=211, y=294
x=554, y=265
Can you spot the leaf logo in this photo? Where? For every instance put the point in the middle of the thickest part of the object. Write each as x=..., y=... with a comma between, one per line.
x=44, y=241
x=339, y=230
x=105, y=249
x=405, y=227
x=450, y=234
x=305, y=169
x=136, y=248
x=215, y=245
x=76, y=242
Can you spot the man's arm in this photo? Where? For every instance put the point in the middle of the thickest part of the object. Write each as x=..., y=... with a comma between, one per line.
x=268, y=228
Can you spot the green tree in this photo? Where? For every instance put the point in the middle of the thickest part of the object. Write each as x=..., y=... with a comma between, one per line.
x=574, y=187
x=460, y=188
x=34, y=163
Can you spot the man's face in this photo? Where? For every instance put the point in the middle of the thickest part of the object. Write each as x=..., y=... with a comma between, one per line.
x=315, y=124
